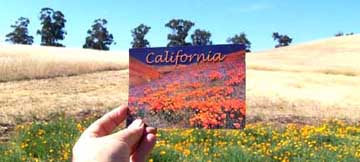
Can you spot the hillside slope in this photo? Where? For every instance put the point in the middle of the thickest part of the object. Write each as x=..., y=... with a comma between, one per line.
x=24, y=62
x=338, y=55
x=301, y=83
x=315, y=79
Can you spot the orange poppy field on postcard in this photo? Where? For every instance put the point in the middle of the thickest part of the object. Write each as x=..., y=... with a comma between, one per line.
x=188, y=87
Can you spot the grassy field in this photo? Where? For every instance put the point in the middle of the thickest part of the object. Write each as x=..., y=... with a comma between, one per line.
x=302, y=84
x=306, y=80
x=330, y=141
x=37, y=99
x=19, y=62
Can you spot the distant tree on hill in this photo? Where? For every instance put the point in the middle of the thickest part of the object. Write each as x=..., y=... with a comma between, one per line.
x=20, y=33
x=240, y=39
x=52, y=27
x=283, y=40
x=98, y=36
x=201, y=38
x=138, y=35
x=339, y=34
x=180, y=29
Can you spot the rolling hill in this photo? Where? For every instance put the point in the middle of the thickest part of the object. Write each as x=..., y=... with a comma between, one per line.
x=316, y=79
x=300, y=83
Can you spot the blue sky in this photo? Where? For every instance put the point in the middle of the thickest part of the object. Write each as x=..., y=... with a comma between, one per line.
x=303, y=20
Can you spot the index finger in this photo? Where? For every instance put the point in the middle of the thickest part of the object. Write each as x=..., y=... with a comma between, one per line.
x=107, y=123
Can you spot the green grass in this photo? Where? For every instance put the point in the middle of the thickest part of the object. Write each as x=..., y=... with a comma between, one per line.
x=44, y=141
x=331, y=141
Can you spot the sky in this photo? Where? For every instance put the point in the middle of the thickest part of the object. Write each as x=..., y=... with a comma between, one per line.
x=304, y=20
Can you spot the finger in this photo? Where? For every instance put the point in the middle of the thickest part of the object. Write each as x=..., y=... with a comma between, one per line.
x=107, y=123
x=144, y=149
x=150, y=130
x=132, y=134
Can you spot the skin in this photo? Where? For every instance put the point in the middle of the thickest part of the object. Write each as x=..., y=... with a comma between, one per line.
x=98, y=143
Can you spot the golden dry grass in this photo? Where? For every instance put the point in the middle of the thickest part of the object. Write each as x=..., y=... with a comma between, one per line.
x=36, y=99
x=315, y=80
x=18, y=62
x=338, y=55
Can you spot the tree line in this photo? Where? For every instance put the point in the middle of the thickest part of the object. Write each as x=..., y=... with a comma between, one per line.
x=53, y=31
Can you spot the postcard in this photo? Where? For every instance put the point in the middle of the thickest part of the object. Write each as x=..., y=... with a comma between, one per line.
x=188, y=87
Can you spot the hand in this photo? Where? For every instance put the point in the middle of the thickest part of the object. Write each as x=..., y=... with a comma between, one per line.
x=132, y=144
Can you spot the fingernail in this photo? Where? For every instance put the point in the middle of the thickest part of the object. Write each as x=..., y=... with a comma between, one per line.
x=137, y=123
x=150, y=136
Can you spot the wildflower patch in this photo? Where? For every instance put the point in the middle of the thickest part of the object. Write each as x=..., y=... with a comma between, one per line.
x=188, y=87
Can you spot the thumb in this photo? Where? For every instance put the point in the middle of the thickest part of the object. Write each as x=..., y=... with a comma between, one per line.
x=145, y=146
x=132, y=134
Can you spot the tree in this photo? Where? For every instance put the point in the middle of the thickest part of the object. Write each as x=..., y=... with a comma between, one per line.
x=20, y=33
x=201, y=38
x=52, y=30
x=180, y=29
x=240, y=39
x=98, y=36
x=283, y=40
x=339, y=34
x=138, y=35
